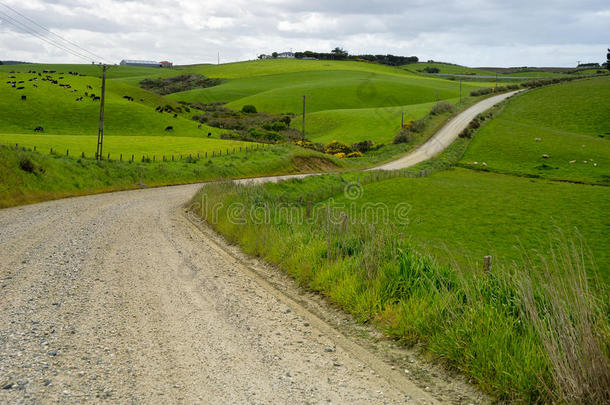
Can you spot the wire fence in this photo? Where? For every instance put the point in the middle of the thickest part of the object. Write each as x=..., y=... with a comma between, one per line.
x=151, y=158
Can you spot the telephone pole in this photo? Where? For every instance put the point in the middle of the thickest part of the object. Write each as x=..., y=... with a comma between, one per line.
x=460, y=90
x=100, y=132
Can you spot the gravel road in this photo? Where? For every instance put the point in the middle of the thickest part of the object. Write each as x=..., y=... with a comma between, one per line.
x=446, y=135
x=120, y=298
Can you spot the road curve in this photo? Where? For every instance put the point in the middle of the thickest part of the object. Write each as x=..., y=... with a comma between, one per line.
x=118, y=297
x=445, y=136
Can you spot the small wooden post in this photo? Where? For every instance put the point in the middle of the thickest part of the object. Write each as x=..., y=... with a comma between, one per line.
x=109, y=156
x=132, y=158
x=34, y=148
x=51, y=152
x=67, y=152
x=487, y=263
x=121, y=157
x=82, y=155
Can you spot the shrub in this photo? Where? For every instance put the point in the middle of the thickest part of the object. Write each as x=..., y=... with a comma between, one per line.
x=431, y=69
x=355, y=155
x=335, y=147
x=279, y=126
x=339, y=155
x=404, y=136
x=418, y=126
x=466, y=133
x=441, y=108
x=27, y=165
x=481, y=92
x=248, y=109
x=363, y=146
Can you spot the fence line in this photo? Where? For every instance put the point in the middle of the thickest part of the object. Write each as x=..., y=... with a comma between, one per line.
x=164, y=158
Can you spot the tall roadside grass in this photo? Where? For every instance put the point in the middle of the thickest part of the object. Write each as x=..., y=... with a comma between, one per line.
x=537, y=332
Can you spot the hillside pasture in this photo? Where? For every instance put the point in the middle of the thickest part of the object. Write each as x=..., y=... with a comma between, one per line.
x=116, y=145
x=567, y=122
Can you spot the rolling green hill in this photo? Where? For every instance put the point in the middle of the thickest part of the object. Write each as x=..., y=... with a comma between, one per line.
x=568, y=122
x=350, y=101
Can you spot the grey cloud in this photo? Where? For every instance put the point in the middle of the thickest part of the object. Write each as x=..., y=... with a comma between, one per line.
x=472, y=32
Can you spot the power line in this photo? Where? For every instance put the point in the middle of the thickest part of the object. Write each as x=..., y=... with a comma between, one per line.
x=54, y=34
x=30, y=31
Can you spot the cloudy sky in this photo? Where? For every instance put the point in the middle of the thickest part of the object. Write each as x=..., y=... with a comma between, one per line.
x=469, y=32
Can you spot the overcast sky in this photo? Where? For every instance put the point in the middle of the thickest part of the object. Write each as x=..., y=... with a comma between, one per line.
x=469, y=32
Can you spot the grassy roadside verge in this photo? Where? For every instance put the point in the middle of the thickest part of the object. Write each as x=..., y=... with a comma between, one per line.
x=29, y=177
x=531, y=330
x=509, y=329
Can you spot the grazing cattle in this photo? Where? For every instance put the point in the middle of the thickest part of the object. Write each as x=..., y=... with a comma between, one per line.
x=35, y=85
x=79, y=99
x=199, y=126
x=209, y=134
x=23, y=98
x=537, y=139
x=96, y=98
x=128, y=98
x=86, y=94
x=89, y=87
x=21, y=81
x=141, y=99
x=175, y=115
x=159, y=108
x=545, y=156
x=170, y=128
x=20, y=88
x=572, y=162
x=39, y=129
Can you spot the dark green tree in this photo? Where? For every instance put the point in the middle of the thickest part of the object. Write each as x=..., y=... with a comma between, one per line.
x=608, y=59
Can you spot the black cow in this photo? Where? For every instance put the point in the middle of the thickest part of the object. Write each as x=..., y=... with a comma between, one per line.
x=96, y=98
x=39, y=129
x=20, y=88
x=175, y=115
x=23, y=98
x=209, y=134
x=170, y=128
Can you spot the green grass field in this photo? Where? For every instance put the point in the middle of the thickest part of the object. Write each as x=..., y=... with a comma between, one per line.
x=348, y=101
x=571, y=121
x=454, y=214
x=127, y=145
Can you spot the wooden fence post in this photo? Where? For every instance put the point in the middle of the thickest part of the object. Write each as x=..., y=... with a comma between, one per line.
x=487, y=263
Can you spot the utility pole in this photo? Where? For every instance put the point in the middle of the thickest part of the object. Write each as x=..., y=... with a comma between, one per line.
x=402, y=119
x=100, y=132
x=460, y=90
x=496, y=88
x=218, y=58
x=303, y=127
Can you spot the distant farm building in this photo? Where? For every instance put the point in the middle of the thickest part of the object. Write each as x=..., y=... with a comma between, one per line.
x=147, y=63
x=286, y=55
x=166, y=64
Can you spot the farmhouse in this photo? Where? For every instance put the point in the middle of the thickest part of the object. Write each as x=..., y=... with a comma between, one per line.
x=286, y=55
x=166, y=64
x=147, y=63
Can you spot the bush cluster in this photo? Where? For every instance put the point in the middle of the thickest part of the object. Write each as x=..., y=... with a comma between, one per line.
x=176, y=84
x=441, y=108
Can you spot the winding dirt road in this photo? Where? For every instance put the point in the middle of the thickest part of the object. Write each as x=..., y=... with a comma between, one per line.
x=120, y=298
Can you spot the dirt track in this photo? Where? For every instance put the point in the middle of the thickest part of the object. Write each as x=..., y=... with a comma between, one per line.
x=118, y=297
x=128, y=301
